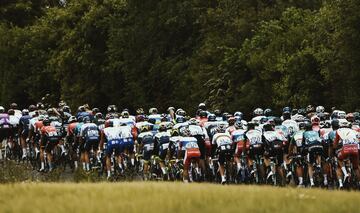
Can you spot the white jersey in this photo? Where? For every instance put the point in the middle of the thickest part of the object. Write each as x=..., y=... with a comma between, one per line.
x=196, y=130
x=254, y=136
x=292, y=126
x=274, y=136
x=298, y=137
x=14, y=120
x=127, y=121
x=18, y=113
x=125, y=132
x=221, y=139
x=347, y=136
x=112, y=133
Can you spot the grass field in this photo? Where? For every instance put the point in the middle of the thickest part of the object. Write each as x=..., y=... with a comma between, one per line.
x=170, y=197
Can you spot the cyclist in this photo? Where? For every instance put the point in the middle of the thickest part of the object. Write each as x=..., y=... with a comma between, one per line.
x=89, y=140
x=111, y=136
x=49, y=139
x=189, y=151
x=24, y=123
x=146, y=142
x=222, y=144
x=162, y=141
x=315, y=151
x=256, y=148
x=273, y=145
x=346, y=145
x=297, y=148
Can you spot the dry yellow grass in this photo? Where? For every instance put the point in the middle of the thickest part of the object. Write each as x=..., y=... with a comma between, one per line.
x=171, y=197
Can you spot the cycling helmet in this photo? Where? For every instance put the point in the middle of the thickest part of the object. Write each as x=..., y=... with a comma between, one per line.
x=180, y=112
x=251, y=125
x=46, y=121
x=203, y=114
x=112, y=108
x=2, y=109
x=152, y=120
x=13, y=106
x=238, y=125
x=286, y=115
x=32, y=108
x=308, y=126
x=192, y=121
x=258, y=112
x=140, y=111
x=25, y=112
x=350, y=117
x=171, y=109
x=153, y=111
x=302, y=125
x=95, y=110
x=40, y=105
x=86, y=119
x=162, y=127
x=268, y=112
x=320, y=109
x=294, y=111
x=231, y=121
x=315, y=120
x=125, y=114
x=202, y=106
x=327, y=124
x=263, y=120
x=302, y=111
x=239, y=115
x=180, y=119
x=309, y=109
x=341, y=114
x=41, y=117
x=140, y=118
x=221, y=128
x=287, y=109
x=61, y=104
x=81, y=109
x=268, y=127
x=217, y=112
x=99, y=115
x=11, y=112
x=356, y=116
x=164, y=118
x=211, y=117
x=66, y=109
x=335, y=124
x=277, y=121
x=72, y=119
x=50, y=111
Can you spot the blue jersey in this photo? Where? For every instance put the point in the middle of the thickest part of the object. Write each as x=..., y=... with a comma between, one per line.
x=90, y=132
x=311, y=138
x=24, y=123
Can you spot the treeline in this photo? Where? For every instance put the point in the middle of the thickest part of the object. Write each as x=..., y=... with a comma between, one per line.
x=233, y=54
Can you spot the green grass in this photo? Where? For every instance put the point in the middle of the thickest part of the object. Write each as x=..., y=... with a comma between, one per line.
x=170, y=197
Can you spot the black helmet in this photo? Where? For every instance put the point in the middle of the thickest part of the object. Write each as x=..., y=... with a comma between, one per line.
x=268, y=127
x=335, y=124
x=32, y=108
x=217, y=112
x=302, y=125
x=203, y=114
x=40, y=105
x=268, y=112
x=11, y=112
x=162, y=127
x=251, y=125
x=112, y=108
x=211, y=117
x=86, y=119
x=308, y=126
x=46, y=121
x=277, y=121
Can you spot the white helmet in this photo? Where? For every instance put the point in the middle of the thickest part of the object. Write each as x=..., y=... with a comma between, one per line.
x=343, y=123
x=258, y=112
x=2, y=109
x=320, y=109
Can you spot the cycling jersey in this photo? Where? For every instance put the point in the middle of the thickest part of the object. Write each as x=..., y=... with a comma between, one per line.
x=147, y=141
x=291, y=127
x=89, y=132
x=254, y=137
x=4, y=120
x=24, y=124
x=311, y=138
x=114, y=142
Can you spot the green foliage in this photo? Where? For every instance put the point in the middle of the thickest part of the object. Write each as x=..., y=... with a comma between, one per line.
x=234, y=55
